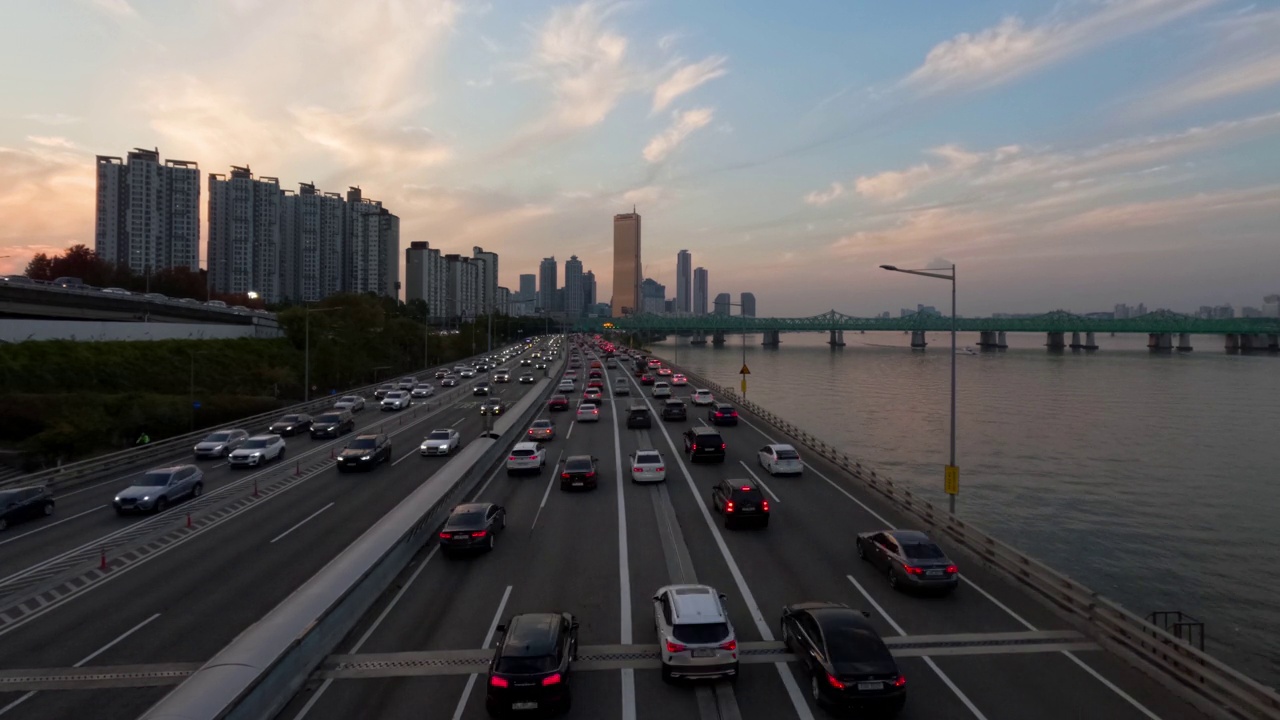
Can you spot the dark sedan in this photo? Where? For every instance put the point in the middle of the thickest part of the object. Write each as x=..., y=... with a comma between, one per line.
x=579, y=472
x=675, y=410
x=291, y=424
x=530, y=667
x=333, y=424
x=646, y=379
x=558, y=402
x=481, y=388
x=472, y=526
x=365, y=452
x=909, y=559
x=20, y=504
x=848, y=665
x=722, y=414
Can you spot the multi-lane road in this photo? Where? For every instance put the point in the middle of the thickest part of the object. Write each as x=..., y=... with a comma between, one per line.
x=178, y=594
x=602, y=554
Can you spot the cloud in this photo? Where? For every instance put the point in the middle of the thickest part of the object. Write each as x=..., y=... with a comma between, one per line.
x=646, y=195
x=822, y=197
x=898, y=184
x=118, y=8
x=668, y=41
x=1249, y=61
x=52, y=142
x=52, y=118
x=359, y=142
x=684, y=124
x=46, y=198
x=1011, y=48
x=1171, y=211
x=686, y=78
x=584, y=62
x=485, y=83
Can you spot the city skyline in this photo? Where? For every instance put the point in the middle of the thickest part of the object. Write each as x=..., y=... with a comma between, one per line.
x=1057, y=154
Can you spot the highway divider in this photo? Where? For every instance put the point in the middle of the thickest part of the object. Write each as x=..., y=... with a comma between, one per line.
x=1199, y=677
x=258, y=673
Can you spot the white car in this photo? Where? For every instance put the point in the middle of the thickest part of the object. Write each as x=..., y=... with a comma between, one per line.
x=703, y=397
x=661, y=390
x=449, y=380
x=353, y=403
x=565, y=385
x=526, y=456
x=441, y=442
x=779, y=459
x=396, y=400
x=257, y=450
x=695, y=637
x=647, y=466
x=588, y=413
x=679, y=380
x=467, y=372
x=422, y=390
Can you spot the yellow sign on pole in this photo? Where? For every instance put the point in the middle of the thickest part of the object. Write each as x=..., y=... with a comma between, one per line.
x=745, y=370
x=744, y=384
x=952, y=480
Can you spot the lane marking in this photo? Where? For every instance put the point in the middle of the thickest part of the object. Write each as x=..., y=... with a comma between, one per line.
x=550, y=481
x=760, y=482
x=455, y=424
x=624, y=562
x=301, y=523
x=488, y=641
x=86, y=659
x=928, y=660
x=53, y=524
x=569, y=432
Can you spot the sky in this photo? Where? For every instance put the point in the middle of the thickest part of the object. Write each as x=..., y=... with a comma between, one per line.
x=1072, y=154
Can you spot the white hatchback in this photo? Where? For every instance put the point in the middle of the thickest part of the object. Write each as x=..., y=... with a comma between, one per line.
x=648, y=466
x=703, y=397
x=588, y=413
x=662, y=390
x=780, y=459
x=526, y=456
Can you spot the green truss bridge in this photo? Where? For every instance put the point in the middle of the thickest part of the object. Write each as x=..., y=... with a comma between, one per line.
x=1161, y=326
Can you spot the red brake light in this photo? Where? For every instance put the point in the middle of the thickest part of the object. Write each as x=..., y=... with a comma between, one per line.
x=902, y=680
x=912, y=570
x=746, y=487
x=728, y=506
x=445, y=535
x=564, y=476
x=480, y=533
x=674, y=647
x=764, y=504
x=661, y=469
x=530, y=431
x=591, y=474
x=731, y=645
x=501, y=682
x=723, y=446
x=952, y=569
x=733, y=414
x=513, y=457
x=719, y=414
x=552, y=679
x=695, y=446
x=834, y=682
x=636, y=470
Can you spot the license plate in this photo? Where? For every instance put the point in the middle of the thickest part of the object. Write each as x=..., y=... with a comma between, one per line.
x=870, y=686
x=933, y=573
x=748, y=508
x=703, y=653
x=577, y=483
x=524, y=706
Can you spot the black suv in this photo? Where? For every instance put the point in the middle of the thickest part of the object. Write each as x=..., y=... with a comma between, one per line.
x=740, y=502
x=18, y=504
x=366, y=451
x=722, y=414
x=638, y=417
x=579, y=472
x=291, y=424
x=674, y=409
x=704, y=443
x=332, y=424
x=530, y=668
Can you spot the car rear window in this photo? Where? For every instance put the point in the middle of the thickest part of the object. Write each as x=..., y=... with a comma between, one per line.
x=577, y=465
x=701, y=633
x=648, y=458
x=923, y=551
x=526, y=665
x=788, y=455
x=466, y=520
x=523, y=453
x=708, y=439
x=752, y=495
x=542, y=424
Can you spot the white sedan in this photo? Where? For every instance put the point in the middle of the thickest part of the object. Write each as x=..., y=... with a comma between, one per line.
x=588, y=413
x=565, y=385
x=679, y=380
x=703, y=397
x=780, y=459
x=441, y=442
x=648, y=466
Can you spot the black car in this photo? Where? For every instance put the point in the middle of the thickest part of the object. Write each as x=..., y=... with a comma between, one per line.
x=530, y=667
x=638, y=417
x=525, y=362
x=848, y=665
x=481, y=388
x=740, y=502
x=365, y=452
x=704, y=444
x=472, y=526
x=909, y=559
x=722, y=414
x=333, y=424
x=19, y=504
x=493, y=406
x=291, y=424
x=579, y=472
x=675, y=410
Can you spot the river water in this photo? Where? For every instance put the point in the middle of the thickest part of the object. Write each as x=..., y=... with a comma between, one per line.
x=1152, y=479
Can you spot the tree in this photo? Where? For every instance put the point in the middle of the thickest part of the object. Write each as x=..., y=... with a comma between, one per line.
x=40, y=267
x=82, y=262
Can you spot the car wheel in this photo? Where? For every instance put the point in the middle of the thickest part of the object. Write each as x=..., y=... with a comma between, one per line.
x=48, y=509
x=490, y=548
x=893, y=578
x=195, y=492
x=4, y=524
x=161, y=504
x=666, y=674
x=280, y=455
x=815, y=689
x=862, y=552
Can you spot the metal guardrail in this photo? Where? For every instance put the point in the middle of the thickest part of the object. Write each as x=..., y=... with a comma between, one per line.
x=97, y=293
x=259, y=672
x=66, y=476
x=1207, y=681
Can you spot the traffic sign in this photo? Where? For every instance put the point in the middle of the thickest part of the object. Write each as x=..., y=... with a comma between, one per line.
x=744, y=385
x=952, y=480
x=745, y=370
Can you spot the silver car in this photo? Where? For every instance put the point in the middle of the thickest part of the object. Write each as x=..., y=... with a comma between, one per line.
x=396, y=400
x=449, y=380
x=422, y=390
x=220, y=443
x=441, y=442
x=353, y=403
x=257, y=450
x=695, y=637
x=157, y=488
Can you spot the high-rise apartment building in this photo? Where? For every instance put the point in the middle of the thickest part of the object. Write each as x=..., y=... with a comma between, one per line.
x=700, y=291
x=528, y=287
x=748, y=302
x=462, y=287
x=502, y=305
x=722, y=304
x=488, y=279
x=588, y=289
x=244, y=234
x=426, y=278
x=373, y=256
x=547, y=273
x=313, y=243
x=574, y=297
x=684, y=282
x=626, y=264
x=147, y=213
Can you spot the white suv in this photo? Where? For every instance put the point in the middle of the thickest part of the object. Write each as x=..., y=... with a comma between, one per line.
x=703, y=397
x=526, y=456
x=396, y=400
x=695, y=637
x=661, y=390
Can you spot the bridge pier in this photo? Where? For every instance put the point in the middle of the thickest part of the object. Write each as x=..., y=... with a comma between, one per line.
x=698, y=339
x=917, y=340
x=1002, y=340
x=1184, y=342
x=1250, y=343
x=1232, y=343
x=717, y=338
x=770, y=338
x=988, y=339
x=1075, y=340
x=1056, y=341
x=1273, y=343
x=837, y=338
x=1160, y=342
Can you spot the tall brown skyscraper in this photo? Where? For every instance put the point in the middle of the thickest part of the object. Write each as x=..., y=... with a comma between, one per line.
x=626, y=264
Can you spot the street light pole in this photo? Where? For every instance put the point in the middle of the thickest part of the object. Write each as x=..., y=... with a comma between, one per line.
x=952, y=474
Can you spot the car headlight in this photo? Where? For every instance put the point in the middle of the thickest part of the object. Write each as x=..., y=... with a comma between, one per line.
x=255, y=454
x=146, y=498
x=219, y=448
x=365, y=457
x=117, y=498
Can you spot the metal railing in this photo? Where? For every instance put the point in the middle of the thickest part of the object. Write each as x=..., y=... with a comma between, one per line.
x=1172, y=659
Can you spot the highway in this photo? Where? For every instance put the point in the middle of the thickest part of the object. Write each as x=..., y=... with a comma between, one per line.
x=183, y=600
x=601, y=554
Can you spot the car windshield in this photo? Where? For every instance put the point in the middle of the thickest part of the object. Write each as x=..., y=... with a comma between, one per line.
x=922, y=551
x=155, y=479
x=701, y=633
x=648, y=459
x=438, y=435
x=526, y=665
x=218, y=437
x=577, y=465
x=291, y=418
x=363, y=444
x=251, y=444
x=349, y=398
x=330, y=418
x=788, y=454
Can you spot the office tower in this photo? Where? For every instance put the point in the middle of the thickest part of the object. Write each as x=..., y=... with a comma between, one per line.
x=425, y=278
x=573, y=293
x=547, y=284
x=244, y=234
x=147, y=214
x=653, y=296
x=488, y=279
x=588, y=289
x=626, y=264
x=528, y=287
x=462, y=287
x=700, y=291
x=722, y=304
x=748, y=302
x=684, y=281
